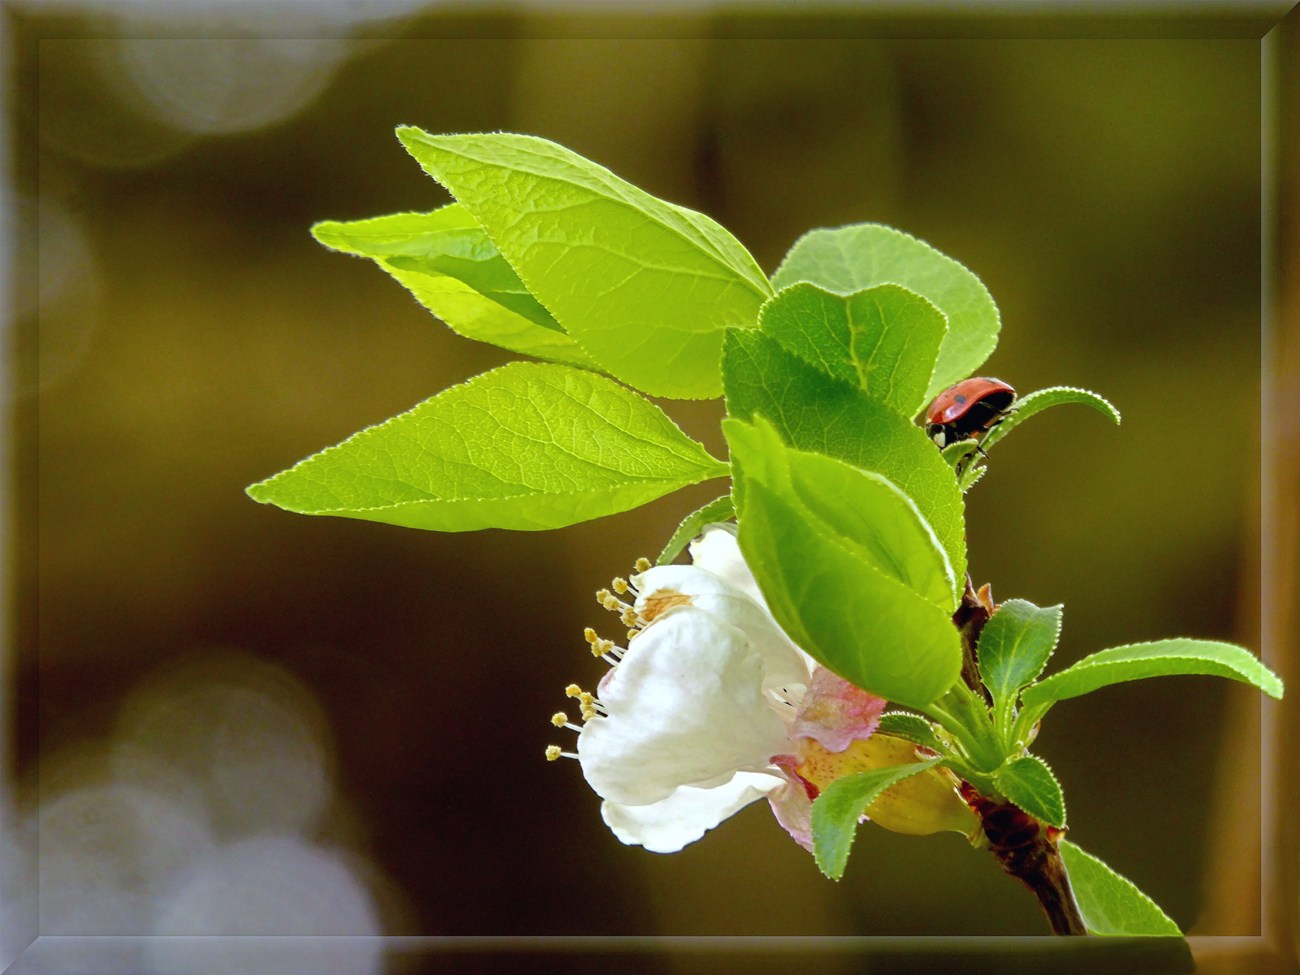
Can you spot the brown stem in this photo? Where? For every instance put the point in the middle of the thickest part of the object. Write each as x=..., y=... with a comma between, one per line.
x=1027, y=849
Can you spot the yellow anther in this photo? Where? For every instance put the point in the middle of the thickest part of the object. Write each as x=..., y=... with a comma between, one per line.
x=642, y=565
x=553, y=752
x=632, y=635
x=619, y=585
x=559, y=719
x=628, y=617
x=573, y=690
x=589, y=635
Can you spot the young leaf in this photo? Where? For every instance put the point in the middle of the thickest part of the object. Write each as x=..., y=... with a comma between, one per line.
x=836, y=812
x=815, y=413
x=1030, y=784
x=860, y=509
x=869, y=628
x=911, y=727
x=646, y=287
x=719, y=509
x=1111, y=904
x=447, y=262
x=884, y=340
x=1162, y=658
x=957, y=451
x=862, y=255
x=1039, y=400
x=1014, y=646
x=527, y=446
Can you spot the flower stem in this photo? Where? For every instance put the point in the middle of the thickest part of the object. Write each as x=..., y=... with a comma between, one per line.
x=1028, y=850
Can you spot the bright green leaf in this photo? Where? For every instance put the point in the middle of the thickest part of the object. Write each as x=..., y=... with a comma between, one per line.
x=1111, y=904
x=883, y=340
x=645, y=287
x=1158, y=659
x=719, y=509
x=880, y=522
x=451, y=267
x=859, y=622
x=1014, y=646
x=1039, y=400
x=836, y=812
x=912, y=727
x=1030, y=784
x=862, y=510
x=815, y=413
x=527, y=446
x=862, y=255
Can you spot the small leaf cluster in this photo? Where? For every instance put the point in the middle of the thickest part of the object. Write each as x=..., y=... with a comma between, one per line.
x=849, y=516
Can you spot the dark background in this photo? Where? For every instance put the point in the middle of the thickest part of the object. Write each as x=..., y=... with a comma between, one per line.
x=185, y=337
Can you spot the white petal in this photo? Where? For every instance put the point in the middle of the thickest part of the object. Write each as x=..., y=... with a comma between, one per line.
x=784, y=665
x=685, y=707
x=717, y=551
x=686, y=814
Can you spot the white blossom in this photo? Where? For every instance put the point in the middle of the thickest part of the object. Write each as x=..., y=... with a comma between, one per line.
x=711, y=707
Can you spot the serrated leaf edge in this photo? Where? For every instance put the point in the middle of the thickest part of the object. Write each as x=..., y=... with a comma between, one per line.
x=1134, y=888
x=1060, y=793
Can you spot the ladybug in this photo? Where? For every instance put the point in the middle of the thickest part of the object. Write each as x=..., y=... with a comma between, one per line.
x=968, y=409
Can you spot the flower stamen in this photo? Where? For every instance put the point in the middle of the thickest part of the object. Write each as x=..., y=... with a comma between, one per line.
x=612, y=603
x=587, y=702
x=561, y=720
x=606, y=650
x=554, y=752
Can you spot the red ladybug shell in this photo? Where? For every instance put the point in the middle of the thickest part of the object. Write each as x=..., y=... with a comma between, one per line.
x=968, y=409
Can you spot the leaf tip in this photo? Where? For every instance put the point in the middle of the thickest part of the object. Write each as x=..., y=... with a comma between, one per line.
x=407, y=133
x=326, y=232
x=258, y=491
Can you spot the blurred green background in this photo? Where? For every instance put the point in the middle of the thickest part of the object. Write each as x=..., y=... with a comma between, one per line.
x=189, y=337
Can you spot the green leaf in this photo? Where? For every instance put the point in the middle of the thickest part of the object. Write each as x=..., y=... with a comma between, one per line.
x=958, y=451
x=447, y=262
x=1111, y=904
x=1014, y=646
x=719, y=509
x=1030, y=784
x=862, y=510
x=1039, y=400
x=836, y=812
x=912, y=727
x=645, y=287
x=815, y=413
x=862, y=255
x=883, y=340
x=1159, y=659
x=825, y=591
x=527, y=446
